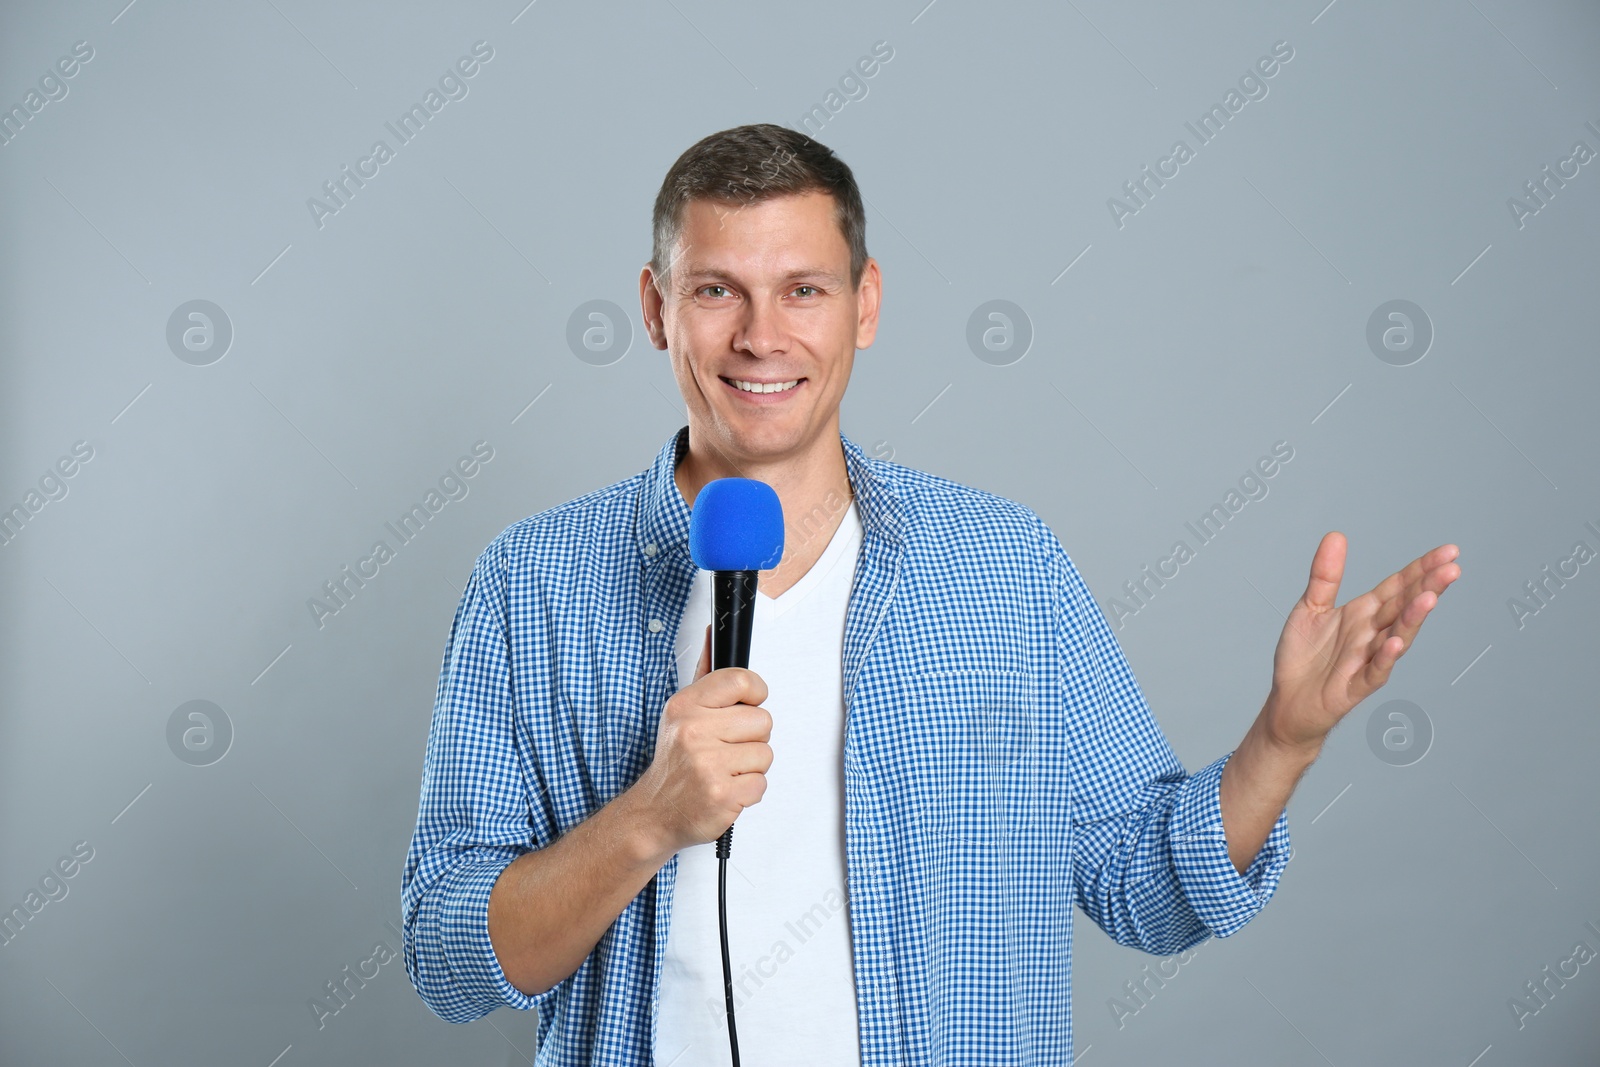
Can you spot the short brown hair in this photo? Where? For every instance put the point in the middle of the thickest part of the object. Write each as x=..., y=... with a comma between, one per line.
x=749, y=164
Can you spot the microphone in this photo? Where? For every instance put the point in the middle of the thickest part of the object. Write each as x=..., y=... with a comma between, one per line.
x=735, y=531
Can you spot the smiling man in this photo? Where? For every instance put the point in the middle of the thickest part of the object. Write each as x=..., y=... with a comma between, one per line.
x=937, y=752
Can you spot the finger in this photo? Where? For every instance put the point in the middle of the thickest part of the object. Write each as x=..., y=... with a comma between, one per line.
x=1389, y=653
x=731, y=685
x=704, y=667
x=1327, y=571
x=1414, y=571
x=749, y=789
x=1435, y=581
x=1394, y=643
x=1410, y=620
x=1371, y=672
x=747, y=757
x=1433, y=572
x=745, y=722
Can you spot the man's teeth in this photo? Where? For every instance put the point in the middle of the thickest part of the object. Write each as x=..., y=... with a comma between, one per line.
x=757, y=387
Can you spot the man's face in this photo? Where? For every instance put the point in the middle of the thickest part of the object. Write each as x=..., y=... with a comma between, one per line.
x=760, y=294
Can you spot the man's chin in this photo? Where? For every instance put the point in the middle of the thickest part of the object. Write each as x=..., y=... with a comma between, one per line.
x=758, y=438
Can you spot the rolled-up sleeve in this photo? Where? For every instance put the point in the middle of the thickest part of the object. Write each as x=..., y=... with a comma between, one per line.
x=1149, y=856
x=474, y=816
x=1223, y=898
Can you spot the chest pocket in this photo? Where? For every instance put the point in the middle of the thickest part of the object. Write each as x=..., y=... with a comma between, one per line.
x=974, y=761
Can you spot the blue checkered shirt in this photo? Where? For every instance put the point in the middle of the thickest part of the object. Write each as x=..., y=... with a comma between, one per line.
x=1000, y=767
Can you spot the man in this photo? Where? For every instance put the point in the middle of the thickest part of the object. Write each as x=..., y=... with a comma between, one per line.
x=937, y=751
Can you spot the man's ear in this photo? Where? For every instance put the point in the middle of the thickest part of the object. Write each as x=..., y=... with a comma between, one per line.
x=650, y=308
x=869, y=297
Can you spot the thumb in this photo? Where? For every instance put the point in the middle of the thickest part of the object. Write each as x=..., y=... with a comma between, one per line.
x=704, y=666
x=1327, y=571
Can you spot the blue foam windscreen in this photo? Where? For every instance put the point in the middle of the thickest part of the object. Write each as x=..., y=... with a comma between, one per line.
x=736, y=525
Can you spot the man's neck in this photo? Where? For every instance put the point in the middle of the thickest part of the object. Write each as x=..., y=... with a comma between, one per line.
x=813, y=487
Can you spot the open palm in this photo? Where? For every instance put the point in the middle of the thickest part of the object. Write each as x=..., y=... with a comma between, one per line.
x=1329, y=658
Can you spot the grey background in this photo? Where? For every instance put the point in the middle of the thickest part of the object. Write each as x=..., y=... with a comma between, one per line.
x=371, y=352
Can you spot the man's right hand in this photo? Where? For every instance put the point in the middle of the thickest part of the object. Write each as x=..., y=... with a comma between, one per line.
x=550, y=906
x=711, y=755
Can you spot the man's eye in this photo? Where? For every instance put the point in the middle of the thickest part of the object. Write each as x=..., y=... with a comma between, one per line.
x=707, y=288
x=810, y=287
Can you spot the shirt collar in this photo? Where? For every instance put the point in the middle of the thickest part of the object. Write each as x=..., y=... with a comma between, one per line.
x=663, y=517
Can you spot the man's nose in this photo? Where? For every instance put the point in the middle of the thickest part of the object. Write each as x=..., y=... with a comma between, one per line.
x=762, y=332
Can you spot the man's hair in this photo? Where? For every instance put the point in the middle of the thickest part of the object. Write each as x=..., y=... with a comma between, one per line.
x=746, y=165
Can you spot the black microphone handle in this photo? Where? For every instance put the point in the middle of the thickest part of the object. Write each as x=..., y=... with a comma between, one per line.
x=733, y=613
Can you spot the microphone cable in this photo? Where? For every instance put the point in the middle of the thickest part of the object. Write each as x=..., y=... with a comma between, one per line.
x=724, y=846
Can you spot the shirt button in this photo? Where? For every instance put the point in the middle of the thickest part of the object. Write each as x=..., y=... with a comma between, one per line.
x=656, y=626
x=650, y=549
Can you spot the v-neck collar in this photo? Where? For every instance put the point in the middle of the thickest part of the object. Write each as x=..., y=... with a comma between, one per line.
x=842, y=536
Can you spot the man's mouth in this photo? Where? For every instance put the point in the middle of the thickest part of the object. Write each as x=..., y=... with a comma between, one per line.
x=749, y=385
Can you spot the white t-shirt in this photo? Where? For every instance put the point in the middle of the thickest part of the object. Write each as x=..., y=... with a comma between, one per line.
x=787, y=905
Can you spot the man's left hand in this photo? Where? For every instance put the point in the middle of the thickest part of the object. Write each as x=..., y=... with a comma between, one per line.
x=1329, y=658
